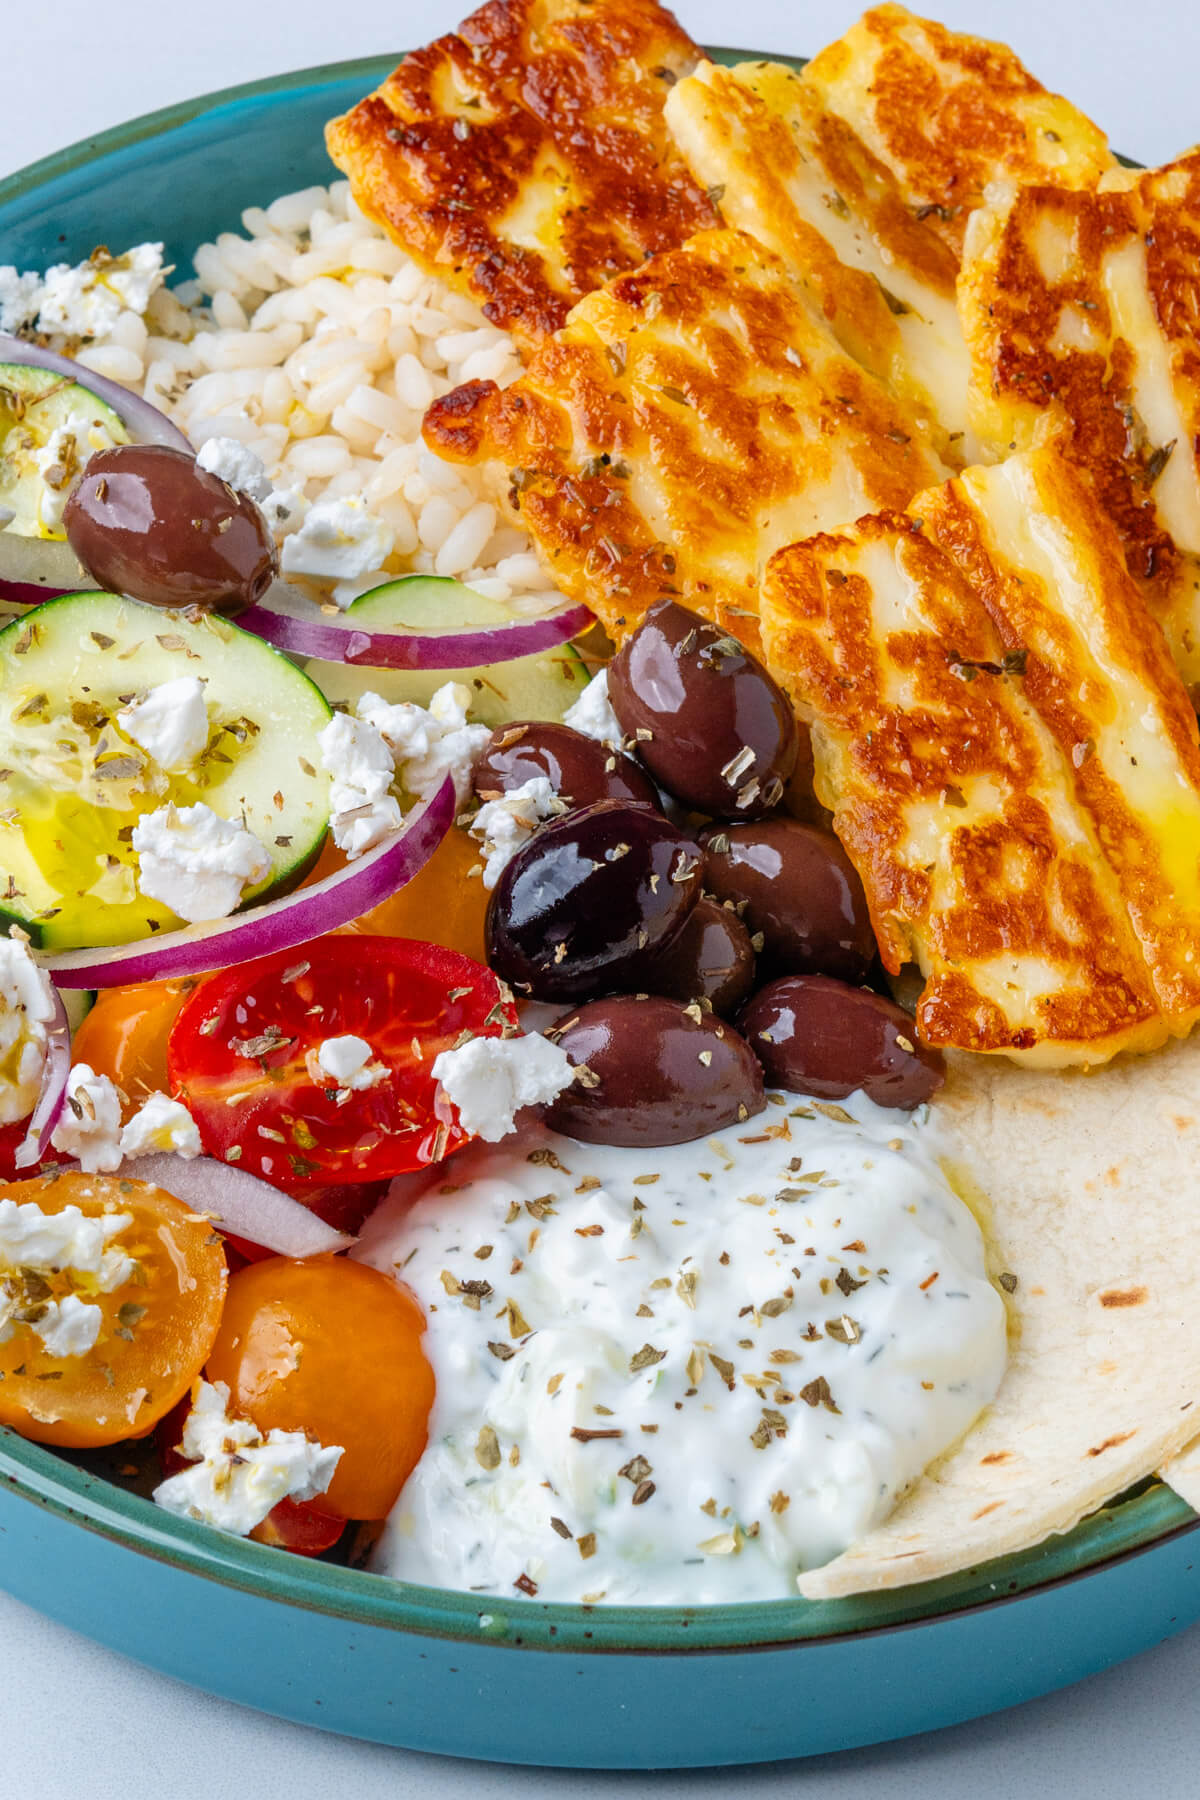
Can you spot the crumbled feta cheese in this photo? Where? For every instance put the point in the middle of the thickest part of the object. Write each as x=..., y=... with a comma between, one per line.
x=489, y=1079
x=238, y=1475
x=33, y=1242
x=362, y=811
x=60, y=462
x=170, y=722
x=592, y=713
x=285, y=510
x=26, y=1009
x=161, y=1124
x=236, y=465
x=86, y=301
x=196, y=862
x=429, y=744
x=504, y=825
x=346, y=1062
x=338, y=540
x=68, y=1239
x=89, y=1127
x=68, y=1327
x=20, y=297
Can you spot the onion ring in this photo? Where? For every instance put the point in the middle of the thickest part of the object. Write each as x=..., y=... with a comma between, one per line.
x=240, y=1203
x=52, y=1093
x=274, y=925
x=469, y=648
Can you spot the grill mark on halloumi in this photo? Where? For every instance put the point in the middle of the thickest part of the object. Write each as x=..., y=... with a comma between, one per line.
x=799, y=179
x=690, y=419
x=1082, y=312
x=524, y=158
x=947, y=113
x=1010, y=758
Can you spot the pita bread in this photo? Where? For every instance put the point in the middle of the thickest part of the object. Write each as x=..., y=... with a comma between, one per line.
x=1086, y=1187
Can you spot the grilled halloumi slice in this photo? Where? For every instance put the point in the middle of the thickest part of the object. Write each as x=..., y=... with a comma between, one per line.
x=1010, y=758
x=947, y=113
x=797, y=177
x=524, y=159
x=1082, y=312
x=688, y=420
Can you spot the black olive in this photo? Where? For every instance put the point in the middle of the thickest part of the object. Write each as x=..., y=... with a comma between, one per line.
x=822, y=1037
x=703, y=714
x=578, y=768
x=797, y=891
x=587, y=902
x=146, y=521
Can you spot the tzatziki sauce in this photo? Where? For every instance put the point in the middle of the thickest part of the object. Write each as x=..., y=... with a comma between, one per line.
x=682, y=1376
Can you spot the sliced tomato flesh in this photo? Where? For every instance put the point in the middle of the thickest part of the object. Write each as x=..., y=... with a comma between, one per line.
x=243, y=1056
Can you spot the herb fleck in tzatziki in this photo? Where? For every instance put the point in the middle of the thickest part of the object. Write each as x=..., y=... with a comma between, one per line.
x=683, y=1376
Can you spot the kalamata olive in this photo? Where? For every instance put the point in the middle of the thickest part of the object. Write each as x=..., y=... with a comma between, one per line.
x=655, y=1074
x=797, y=887
x=711, y=959
x=579, y=769
x=145, y=521
x=817, y=1036
x=703, y=714
x=584, y=903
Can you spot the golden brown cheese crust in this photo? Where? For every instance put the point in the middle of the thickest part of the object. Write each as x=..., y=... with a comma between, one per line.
x=799, y=179
x=1010, y=758
x=947, y=113
x=524, y=157
x=690, y=419
x=1080, y=311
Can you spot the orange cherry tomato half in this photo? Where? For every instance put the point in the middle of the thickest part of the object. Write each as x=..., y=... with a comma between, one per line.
x=331, y=1348
x=125, y=1036
x=156, y=1329
x=242, y=1056
x=444, y=903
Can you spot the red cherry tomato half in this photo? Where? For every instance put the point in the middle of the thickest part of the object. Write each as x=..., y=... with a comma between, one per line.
x=242, y=1056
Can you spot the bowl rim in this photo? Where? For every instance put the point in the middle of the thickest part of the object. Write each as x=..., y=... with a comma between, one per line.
x=1129, y=1526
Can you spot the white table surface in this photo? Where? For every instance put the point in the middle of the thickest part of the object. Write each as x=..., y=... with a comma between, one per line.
x=79, y=1723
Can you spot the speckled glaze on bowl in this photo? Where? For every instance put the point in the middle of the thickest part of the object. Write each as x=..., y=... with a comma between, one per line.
x=516, y=1681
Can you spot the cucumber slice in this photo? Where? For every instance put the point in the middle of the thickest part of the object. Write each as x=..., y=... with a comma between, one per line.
x=73, y=785
x=528, y=687
x=35, y=404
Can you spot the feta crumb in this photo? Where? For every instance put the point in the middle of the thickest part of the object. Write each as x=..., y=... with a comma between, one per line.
x=170, y=722
x=504, y=825
x=489, y=1079
x=429, y=744
x=60, y=462
x=236, y=465
x=238, y=1475
x=89, y=1127
x=337, y=541
x=20, y=297
x=26, y=1010
x=161, y=1124
x=68, y=1327
x=42, y=1243
x=592, y=713
x=86, y=301
x=196, y=862
x=347, y=1062
x=362, y=811
x=67, y=1239
x=285, y=510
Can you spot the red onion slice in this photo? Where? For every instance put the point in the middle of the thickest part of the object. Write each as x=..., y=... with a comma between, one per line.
x=53, y=1091
x=275, y=925
x=146, y=425
x=468, y=649
x=240, y=1203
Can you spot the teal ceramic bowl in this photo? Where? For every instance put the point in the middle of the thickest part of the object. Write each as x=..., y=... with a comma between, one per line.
x=575, y=1686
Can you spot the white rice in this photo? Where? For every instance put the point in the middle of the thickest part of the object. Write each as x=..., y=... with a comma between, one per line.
x=316, y=342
